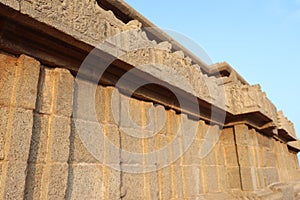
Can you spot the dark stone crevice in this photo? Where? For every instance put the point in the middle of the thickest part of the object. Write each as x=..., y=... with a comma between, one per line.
x=35, y=140
x=238, y=157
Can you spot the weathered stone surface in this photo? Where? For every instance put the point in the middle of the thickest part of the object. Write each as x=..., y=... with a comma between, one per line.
x=27, y=77
x=7, y=68
x=227, y=136
x=173, y=69
x=51, y=149
x=230, y=155
x=60, y=139
x=112, y=142
x=18, y=97
x=19, y=141
x=111, y=183
x=15, y=4
x=248, y=179
x=131, y=143
x=56, y=92
x=57, y=183
x=33, y=189
x=211, y=179
x=87, y=182
x=192, y=155
x=294, y=144
x=80, y=152
x=130, y=184
x=286, y=125
x=222, y=178
x=14, y=183
x=71, y=17
x=4, y=112
x=210, y=159
x=233, y=177
x=83, y=101
x=19, y=81
x=193, y=175
x=271, y=175
x=50, y=140
x=247, y=99
x=83, y=20
x=242, y=135
x=88, y=142
x=105, y=99
x=219, y=151
x=152, y=184
x=245, y=156
x=166, y=190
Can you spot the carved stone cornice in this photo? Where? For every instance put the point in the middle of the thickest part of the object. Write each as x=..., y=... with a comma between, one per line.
x=295, y=145
x=63, y=33
x=248, y=99
x=286, y=127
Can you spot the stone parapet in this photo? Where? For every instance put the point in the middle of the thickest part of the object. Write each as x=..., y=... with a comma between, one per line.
x=243, y=99
x=84, y=20
x=295, y=145
x=88, y=22
x=285, y=125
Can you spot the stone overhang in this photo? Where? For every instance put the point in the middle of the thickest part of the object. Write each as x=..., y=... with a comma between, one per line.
x=63, y=34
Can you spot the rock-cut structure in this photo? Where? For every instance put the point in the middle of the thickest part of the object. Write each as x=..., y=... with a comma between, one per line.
x=157, y=124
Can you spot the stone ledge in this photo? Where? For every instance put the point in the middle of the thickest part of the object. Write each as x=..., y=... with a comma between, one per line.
x=241, y=98
x=12, y=3
x=285, y=126
x=295, y=145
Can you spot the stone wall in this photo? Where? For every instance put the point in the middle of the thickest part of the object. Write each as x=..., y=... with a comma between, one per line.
x=18, y=83
x=65, y=136
x=43, y=155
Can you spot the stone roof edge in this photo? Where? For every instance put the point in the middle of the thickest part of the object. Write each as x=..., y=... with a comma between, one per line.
x=294, y=145
x=54, y=15
x=286, y=126
x=161, y=36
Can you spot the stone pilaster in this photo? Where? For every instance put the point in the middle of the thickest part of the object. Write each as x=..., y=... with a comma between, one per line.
x=18, y=90
x=50, y=144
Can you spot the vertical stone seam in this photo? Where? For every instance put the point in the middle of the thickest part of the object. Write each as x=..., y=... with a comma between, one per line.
x=35, y=111
x=181, y=194
x=46, y=170
x=184, y=165
x=145, y=147
x=157, y=145
x=238, y=157
x=171, y=166
x=105, y=169
x=122, y=193
x=9, y=127
x=276, y=161
x=251, y=155
x=160, y=170
x=69, y=187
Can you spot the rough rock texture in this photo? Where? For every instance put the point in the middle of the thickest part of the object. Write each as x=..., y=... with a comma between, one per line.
x=251, y=154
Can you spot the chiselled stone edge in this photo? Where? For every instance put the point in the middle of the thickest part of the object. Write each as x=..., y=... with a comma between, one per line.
x=294, y=145
x=286, y=125
x=15, y=4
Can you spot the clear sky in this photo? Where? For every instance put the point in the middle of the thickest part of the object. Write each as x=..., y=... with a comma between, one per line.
x=259, y=38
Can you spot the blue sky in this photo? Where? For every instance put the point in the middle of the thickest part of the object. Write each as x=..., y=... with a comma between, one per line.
x=259, y=38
